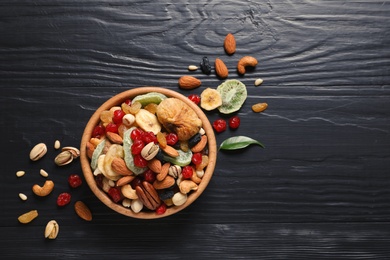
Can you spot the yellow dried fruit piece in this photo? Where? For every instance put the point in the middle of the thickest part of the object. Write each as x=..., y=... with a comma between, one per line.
x=259, y=107
x=151, y=107
x=28, y=216
x=106, y=116
x=126, y=108
x=161, y=139
x=135, y=107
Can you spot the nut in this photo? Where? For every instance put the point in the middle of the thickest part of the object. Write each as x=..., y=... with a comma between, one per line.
x=195, y=178
x=167, y=182
x=259, y=107
x=64, y=158
x=22, y=196
x=118, y=165
x=28, y=216
x=83, y=211
x=20, y=173
x=114, y=138
x=179, y=199
x=220, y=69
x=155, y=165
x=128, y=192
x=38, y=151
x=73, y=150
x=43, y=173
x=52, y=229
x=148, y=195
x=174, y=171
x=126, y=203
x=200, y=145
x=192, y=67
x=246, y=61
x=45, y=190
x=57, y=144
x=136, y=205
x=169, y=150
x=187, y=185
x=150, y=151
x=128, y=119
x=189, y=82
x=230, y=44
x=258, y=82
x=125, y=180
x=164, y=171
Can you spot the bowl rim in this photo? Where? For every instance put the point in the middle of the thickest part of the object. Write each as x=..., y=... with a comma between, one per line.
x=115, y=101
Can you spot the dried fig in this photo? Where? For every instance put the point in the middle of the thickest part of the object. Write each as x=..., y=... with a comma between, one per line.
x=176, y=116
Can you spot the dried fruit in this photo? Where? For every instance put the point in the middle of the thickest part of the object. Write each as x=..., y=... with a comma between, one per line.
x=220, y=69
x=205, y=66
x=219, y=125
x=176, y=116
x=230, y=44
x=246, y=61
x=147, y=121
x=28, y=216
x=210, y=99
x=148, y=98
x=259, y=107
x=194, y=98
x=74, y=180
x=189, y=82
x=234, y=122
x=63, y=199
x=233, y=93
x=83, y=211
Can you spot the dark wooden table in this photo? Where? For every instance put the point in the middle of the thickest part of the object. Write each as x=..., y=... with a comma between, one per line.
x=319, y=190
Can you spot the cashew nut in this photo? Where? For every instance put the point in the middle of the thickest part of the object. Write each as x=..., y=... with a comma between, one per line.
x=45, y=190
x=246, y=61
x=187, y=185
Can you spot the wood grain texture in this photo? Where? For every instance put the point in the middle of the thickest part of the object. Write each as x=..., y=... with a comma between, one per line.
x=320, y=188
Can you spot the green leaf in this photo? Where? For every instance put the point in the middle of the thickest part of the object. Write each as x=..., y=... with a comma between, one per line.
x=238, y=142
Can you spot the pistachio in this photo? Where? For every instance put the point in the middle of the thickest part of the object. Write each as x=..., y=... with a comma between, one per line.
x=64, y=158
x=150, y=151
x=73, y=150
x=174, y=171
x=52, y=229
x=38, y=151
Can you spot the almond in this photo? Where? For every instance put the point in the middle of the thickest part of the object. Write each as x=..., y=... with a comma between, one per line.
x=114, y=138
x=167, y=182
x=155, y=165
x=170, y=151
x=230, y=44
x=200, y=145
x=221, y=69
x=83, y=211
x=164, y=171
x=189, y=82
x=125, y=180
x=118, y=165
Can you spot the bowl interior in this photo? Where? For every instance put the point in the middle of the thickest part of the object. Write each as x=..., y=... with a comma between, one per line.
x=117, y=100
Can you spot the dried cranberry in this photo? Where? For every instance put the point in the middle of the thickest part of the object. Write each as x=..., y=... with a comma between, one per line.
x=115, y=194
x=98, y=131
x=219, y=125
x=139, y=161
x=196, y=158
x=136, y=134
x=187, y=172
x=234, y=122
x=194, y=98
x=172, y=138
x=112, y=127
x=63, y=199
x=74, y=180
x=137, y=146
x=99, y=180
x=118, y=115
x=128, y=102
x=149, y=137
x=149, y=176
x=136, y=182
x=161, y=209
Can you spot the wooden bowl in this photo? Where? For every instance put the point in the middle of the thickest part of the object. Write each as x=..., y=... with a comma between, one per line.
x=117, y=100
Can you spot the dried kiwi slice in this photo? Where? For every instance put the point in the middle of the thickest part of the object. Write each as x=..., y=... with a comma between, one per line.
x=151, y=97
x=234, y=94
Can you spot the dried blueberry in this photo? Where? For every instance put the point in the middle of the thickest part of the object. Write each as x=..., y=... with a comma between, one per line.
x=166, y=194
x=205, y=66
x=194, y=140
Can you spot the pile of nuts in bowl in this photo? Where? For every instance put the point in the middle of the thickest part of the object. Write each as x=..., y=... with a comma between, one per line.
x=148, y=153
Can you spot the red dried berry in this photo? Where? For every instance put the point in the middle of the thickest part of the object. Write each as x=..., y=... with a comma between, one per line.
x=149, y=176
x=136, y=134
x=115, y=194
x=219, y=125
x=171, y=139
x=136, y=182
x=187, y=172
x=128, y=102
x=149, y=137
x=139, y=161
x=234, y=122
x=74, y=180
x=194, y=98
x=63, y=199
x=99, y=180
x=118, y=115
x=196, y=158
x=137, y=146
x=112, y=127
x=161, y=209
x=98, y=131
